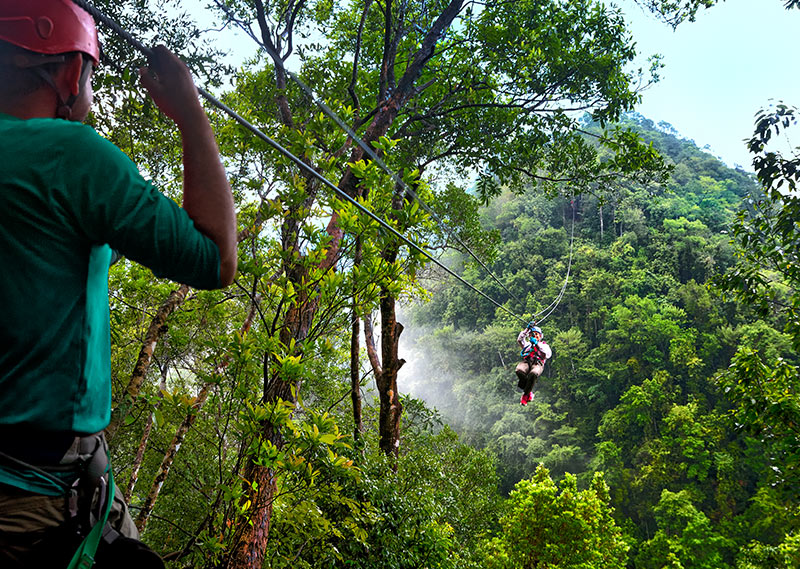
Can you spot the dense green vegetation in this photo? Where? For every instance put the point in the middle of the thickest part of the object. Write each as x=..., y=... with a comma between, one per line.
x=631, y=441
x=265, y=426
x=638, y=386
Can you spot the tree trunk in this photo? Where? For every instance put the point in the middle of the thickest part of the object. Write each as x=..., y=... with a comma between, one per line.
x=250, y=538
x=355, y=376
x=250, y=541
x=355, y=352
x=601, y=223
x=385, y=369
x=137, y=463
x=157, y=328
x=148, y=427
x=169, y=457
x=391, y=408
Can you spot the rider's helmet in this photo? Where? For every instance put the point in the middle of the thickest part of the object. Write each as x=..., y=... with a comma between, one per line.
x=49, y=27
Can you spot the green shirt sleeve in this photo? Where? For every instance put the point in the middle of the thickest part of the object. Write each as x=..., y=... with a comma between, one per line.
x=114, y=204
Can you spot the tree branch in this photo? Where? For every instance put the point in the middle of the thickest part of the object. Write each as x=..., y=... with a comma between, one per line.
x=369, y=341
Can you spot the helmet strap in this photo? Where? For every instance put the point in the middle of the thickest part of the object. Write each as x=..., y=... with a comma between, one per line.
x=64, y=109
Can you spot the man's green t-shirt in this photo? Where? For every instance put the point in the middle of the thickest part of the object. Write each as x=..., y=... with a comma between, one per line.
x=67, y=198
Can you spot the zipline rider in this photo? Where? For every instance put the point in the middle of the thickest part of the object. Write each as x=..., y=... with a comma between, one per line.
x=535, y=352
x=67, y=198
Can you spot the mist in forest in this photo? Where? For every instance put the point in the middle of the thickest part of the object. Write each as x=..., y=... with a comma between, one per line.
x=426, y=374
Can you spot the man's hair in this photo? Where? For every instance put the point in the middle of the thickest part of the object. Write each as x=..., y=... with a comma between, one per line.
x=15, y=81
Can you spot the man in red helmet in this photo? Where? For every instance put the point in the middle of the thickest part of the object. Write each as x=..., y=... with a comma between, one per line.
x=67, y=198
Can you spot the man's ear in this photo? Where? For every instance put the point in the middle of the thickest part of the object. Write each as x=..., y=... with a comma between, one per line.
x=68, y=76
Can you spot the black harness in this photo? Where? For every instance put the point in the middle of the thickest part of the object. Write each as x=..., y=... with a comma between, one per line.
x=86, y=462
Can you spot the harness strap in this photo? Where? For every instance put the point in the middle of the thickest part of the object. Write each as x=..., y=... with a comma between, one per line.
x=64, y=110
x=84, y=556
x=93, y=454
x=90, y=456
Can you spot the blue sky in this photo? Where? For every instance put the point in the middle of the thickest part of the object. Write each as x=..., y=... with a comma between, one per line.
x=720, y=70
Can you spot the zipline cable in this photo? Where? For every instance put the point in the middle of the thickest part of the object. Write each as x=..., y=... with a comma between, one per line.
x=540, y=316
x=303, y=166
x=331, y=114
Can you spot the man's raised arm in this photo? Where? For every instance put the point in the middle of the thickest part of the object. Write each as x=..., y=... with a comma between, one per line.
x=207, y=196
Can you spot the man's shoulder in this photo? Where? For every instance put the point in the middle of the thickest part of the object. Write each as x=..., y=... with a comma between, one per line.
x=72, y=135
x=70, y=131
x=82, y=146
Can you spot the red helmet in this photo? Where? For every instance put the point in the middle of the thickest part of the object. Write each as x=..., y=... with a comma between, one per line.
x=49, y=27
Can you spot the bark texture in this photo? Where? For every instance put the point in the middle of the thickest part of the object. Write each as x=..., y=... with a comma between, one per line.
x=355, y=353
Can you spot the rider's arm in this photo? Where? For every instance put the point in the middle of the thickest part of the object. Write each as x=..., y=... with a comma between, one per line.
x=207, y=196
x=523, y=339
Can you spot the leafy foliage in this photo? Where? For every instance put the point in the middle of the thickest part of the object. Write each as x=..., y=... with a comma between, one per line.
x=549, y=525
x=639, y=340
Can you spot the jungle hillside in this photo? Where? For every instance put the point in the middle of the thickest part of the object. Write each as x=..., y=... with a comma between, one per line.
x=647, y=383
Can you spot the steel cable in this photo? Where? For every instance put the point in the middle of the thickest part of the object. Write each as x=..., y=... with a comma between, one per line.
x=375, y=158
x=542, y=315
x=331, y=114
